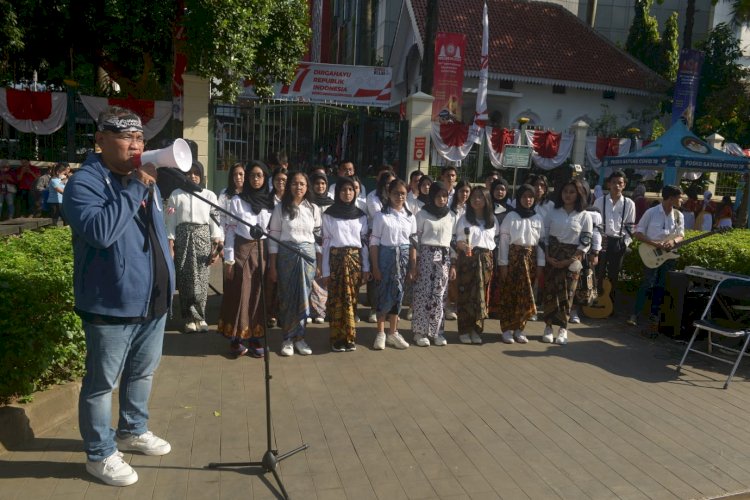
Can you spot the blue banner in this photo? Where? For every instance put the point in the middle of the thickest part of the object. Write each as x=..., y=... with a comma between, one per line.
x=686, y=87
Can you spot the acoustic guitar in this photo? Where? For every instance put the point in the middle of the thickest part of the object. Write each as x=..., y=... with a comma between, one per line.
x=602, y=307
x=653, y=257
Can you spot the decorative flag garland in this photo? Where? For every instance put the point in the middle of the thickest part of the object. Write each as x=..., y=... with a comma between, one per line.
x=451, y=140
x=599, y=147
x=154, y=114
x=42, y=113
x=497, y=139
x=551, y=149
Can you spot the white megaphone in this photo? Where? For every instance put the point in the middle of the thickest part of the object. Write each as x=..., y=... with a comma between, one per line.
x=178, y=155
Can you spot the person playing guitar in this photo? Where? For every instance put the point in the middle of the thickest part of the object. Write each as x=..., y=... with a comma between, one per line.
x=662, y=226
x=618, y=214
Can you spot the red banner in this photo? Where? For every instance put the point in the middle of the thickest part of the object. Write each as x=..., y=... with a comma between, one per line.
x=448, y=76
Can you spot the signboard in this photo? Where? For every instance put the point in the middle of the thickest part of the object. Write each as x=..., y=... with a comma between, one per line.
x=516, y=156
x=335, y=83
x=448, y=76
x=686, y=88
x=420, y=145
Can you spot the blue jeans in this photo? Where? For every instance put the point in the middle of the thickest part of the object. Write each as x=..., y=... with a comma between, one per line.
x=130, y=353
x=655, y=280
x=8, y=199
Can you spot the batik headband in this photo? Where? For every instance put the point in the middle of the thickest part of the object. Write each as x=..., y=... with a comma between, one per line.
x=125, y=123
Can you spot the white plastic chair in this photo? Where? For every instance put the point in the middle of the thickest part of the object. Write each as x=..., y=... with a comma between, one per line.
x=727, y=314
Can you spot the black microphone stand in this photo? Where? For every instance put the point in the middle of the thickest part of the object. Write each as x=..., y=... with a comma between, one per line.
x=271, y=457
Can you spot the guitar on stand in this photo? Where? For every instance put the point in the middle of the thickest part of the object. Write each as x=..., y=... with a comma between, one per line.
x=653, y=257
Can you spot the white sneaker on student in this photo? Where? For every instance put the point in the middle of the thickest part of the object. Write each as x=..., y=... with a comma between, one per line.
x=465, y=338
x=548, y=337
x=440, y=341
x=379, y=344
x=308, y=320
x=372, y=318
x=202, y=326
x=421, y=340
x=287, y=348
x=475, y=338
x=562, y=336
x=147, y=443
x=409, y=314
x=113, y=470
x=520, y=337
x=450, y=313
x=508, y=337
x=396, y=340
x=318, y=320
x=302, y=347
x=574, y=318
x=191, y=327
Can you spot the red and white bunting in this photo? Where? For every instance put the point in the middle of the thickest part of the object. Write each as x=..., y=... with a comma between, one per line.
x=551, y=149
x=41, y=113
x=497, y=139
x=154, y=114
x=599, y=147
x=451, y=140
x=480, y=113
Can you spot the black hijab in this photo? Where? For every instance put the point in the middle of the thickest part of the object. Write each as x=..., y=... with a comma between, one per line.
x=503, y=202
x=257, y=198
x=523, y=211
x=430, y=207
x=322, y=200
x=341, y=210
x=424, y=198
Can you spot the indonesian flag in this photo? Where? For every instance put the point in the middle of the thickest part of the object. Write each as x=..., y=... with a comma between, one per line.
x=42, y=113
x=551, y=149
x=497, y=139
x=599, y=147
x=480, y=113
x=154, y=114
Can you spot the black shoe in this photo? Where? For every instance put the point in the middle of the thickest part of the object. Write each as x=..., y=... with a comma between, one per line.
x=351, y=346
x=338, y=346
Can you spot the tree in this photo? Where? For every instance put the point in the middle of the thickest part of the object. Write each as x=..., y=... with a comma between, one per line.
x=131, y=44
x=644, y=35
x=669, y=50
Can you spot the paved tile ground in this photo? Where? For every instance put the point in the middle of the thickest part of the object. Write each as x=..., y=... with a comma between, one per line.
x=604, y=417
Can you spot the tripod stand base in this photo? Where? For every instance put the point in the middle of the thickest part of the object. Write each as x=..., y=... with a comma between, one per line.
x=269, y=462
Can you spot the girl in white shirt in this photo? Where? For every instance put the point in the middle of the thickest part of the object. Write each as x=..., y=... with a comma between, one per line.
x=475, y=242
x=393, y=261
x=375, y=201
x=241, y=316
x=435, y=224
x=423, y=198
x=319, y=294
x=520, y=262
x=295, y=221
x=279, y=178
x=346, y=263
x=193, y=236
x=234, y=187
x=569, y=230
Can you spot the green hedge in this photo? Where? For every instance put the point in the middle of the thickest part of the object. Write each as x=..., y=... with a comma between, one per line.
x=41, y=339
x=724, y=252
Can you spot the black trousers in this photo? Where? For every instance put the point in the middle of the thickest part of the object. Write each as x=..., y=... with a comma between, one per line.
x=610, y=262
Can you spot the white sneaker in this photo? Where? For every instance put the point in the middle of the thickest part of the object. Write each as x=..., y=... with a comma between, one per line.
x=379, y=344
x=450, y=313
x=202, y=326
x=534, y=317
x=302, y=347
x=548, y=337
x=356, y=318
x=632, y=320
x=287, y=348
x=396, y=340
x=308, y=320
x=113, y=470
x=574, y=318
x=421, y=340
x=508, y=337
x=191, y=327
x=475, y=338
x=465, y=338
x=318, y=320
x=520, y=337
x=440, y=340
x=562, y=336
x=372, y=318
x=409, y=314
x=147, y=443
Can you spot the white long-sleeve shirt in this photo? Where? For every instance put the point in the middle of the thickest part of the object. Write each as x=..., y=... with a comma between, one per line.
x=435, y=232
x=343, y=233
x=183, y=207
x=297, y=230
x=374, y=206
x=392, y=228
x=524, y=232
x=614, y=215
x=242, y=209
x=567, y=227
x=479, y=235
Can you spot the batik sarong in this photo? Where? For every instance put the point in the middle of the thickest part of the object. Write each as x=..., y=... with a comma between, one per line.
x=559, y=284
x=295, y=276
x=433, y=266
x=516, y=302
x=473, y=276
x=343, y=290
x=192, y=249
x=394, y=265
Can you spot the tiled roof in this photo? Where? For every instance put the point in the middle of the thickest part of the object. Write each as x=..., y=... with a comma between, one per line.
x=542, y=43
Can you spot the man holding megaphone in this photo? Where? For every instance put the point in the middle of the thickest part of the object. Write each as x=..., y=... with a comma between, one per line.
x=123, y=280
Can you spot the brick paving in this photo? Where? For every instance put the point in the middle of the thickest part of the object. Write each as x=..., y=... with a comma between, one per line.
x=605, y=416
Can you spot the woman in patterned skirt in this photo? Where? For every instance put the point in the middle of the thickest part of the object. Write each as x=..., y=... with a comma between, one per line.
x=345, y=263
x=193, y=234
x=435, y=224
x=569, y=229
x=520, y=262
x=475, y=243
